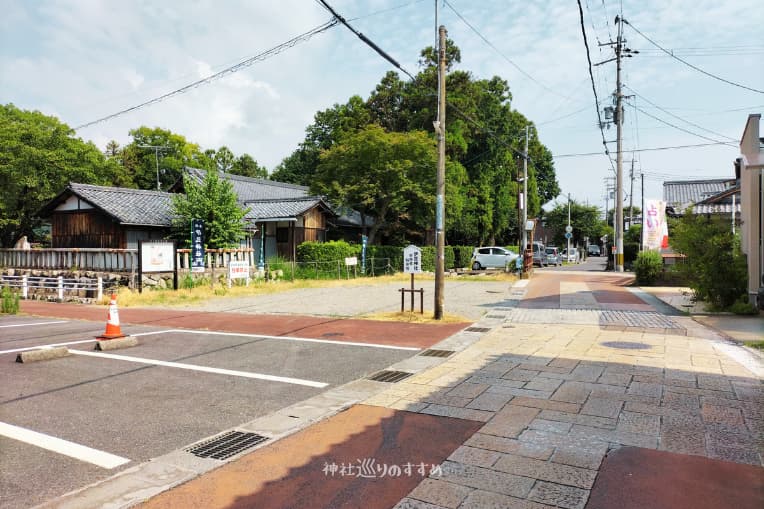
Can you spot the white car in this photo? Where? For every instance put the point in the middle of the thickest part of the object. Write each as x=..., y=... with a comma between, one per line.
x=492, y=256
x=570, y=257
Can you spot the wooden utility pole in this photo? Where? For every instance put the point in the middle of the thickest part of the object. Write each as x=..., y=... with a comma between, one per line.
x=440, y=197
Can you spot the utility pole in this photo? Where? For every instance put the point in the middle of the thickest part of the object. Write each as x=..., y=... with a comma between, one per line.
x=631, y=196
x=524, y=202
x=642, y=230
x=157, y=148
x=568, y=230
x=441, y=177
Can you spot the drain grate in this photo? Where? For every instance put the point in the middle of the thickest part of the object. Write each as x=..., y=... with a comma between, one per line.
x=477, y=329
x=226, y=445
x=390, y=376
x=625, y=345
x=495, y=316
x=437, y=353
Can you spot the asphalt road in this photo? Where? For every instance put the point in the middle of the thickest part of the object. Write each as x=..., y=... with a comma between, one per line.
x=141, y=410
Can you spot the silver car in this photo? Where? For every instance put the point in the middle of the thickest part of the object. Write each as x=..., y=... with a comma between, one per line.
x=492, y=256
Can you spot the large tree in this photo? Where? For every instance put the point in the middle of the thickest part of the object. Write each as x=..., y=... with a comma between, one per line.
x=386, y=176
x=585, y=220
x=39, y=156
x=214, y=201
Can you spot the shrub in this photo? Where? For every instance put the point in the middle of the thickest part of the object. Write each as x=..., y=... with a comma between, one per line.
x=10, y=301
x=742, y=307
x=648, y=267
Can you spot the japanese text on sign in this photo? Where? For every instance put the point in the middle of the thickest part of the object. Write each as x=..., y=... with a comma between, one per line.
x=412, y=259
x=197, y=245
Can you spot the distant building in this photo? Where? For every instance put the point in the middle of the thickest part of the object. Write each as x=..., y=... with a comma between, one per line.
x=709, y=196
x=750, y=169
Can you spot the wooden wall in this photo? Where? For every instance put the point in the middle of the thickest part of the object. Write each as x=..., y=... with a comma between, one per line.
x=88, y=228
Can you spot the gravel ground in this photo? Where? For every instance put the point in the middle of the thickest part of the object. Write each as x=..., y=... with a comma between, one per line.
x=468, y=299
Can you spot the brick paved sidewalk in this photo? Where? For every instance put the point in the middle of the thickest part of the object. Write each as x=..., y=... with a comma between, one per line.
x=555, y=398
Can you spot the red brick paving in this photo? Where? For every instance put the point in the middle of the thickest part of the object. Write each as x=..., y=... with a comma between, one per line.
x=337, y=329
x=635, y=478
x=290, y=472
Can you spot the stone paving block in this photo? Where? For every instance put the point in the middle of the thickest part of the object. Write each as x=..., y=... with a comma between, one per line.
x=750, y=410
x=715, y=383
x=616, y=437
x=468, y=390
x=699, y=392
x=485, y=479
x=650, y=379
x=408, y=405
x=443, y=399
x=440, y=493
x=590, y=458
x=520, y=374
x=644, y=424
x=586, y=372
x=623, y=379
x=552, y=426
x=546, y=404
x=549, y=439
x=724, y=417
x=510, y=421
x=561, y=362
x=705, y=361
x=500, y=389
x=459, y=413
x=682, y=441
x=571, y=392
x=493, y=381
x=410, y=503
x=541, y=383
x=509, y=446
x=717, y=448
x=480, y=499
x=559, y=496
x=475, y=456
x=588, y=420
x=679, y=401
x=546, y=471
x=602, y=407
x=490, y=401
x=749, y=392
x=646, y=389
x=547, y=368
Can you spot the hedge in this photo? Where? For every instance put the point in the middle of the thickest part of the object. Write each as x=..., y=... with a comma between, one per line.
x=454, y=256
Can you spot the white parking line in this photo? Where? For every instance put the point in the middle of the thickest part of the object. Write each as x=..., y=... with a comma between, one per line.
x=30, y=324
x=26, y=348
x=76, y=451
x=305, y=340
x=205, y=369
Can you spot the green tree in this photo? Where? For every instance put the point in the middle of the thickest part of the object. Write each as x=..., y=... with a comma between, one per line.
x=214, y=201
x=224, y=159
x=585, y=220
x=387, y=176
x=246, y=166
x=39, y=156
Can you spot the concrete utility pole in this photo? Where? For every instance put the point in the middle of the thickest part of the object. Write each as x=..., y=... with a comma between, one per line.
x=440, y=197
x=631, y=196
x=524, y=202
x=568, y=229
x=156, y=148
x=619, y=157
x=642, y=224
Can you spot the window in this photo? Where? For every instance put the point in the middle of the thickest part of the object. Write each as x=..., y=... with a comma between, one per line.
x=282, y=235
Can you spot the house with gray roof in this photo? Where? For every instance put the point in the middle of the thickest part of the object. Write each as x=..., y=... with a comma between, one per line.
x=709, y=196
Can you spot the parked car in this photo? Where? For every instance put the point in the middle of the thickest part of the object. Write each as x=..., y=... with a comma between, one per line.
x=570, y=256
x=593, y=250
x=553, y=256
x=492, y=256
x=539, y=254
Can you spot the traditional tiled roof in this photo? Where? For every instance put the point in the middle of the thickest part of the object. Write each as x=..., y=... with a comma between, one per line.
x=128, y=206
x=684, y=193
x=283, y=209
x=250, y=189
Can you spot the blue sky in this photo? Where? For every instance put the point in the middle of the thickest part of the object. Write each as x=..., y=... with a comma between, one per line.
x=84, y=59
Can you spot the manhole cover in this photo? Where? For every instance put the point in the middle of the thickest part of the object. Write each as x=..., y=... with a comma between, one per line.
x=390, y=376
x=625, y=345
x=477, y=329
x=437, y=353
x=226, y=445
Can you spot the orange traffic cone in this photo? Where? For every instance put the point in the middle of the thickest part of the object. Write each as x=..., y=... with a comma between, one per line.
x=112, y=322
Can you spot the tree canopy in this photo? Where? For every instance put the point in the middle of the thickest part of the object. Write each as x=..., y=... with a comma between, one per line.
x=39, y=156
x=585, y=220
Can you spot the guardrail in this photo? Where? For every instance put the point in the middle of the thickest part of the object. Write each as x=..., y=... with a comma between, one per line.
x=58, y=284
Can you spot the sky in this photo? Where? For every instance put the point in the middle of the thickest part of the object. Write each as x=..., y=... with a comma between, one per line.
x=82, y=60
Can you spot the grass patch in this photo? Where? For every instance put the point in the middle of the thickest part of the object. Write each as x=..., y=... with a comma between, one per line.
x=414, y=317
x=758, y=345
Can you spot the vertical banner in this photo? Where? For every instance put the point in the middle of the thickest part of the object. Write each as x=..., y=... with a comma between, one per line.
x=197, y=245
x=655, y=226
x=364, y=241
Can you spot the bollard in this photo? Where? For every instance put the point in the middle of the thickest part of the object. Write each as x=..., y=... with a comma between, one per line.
x=60, y=288
x=100, y=288
x=24, y=286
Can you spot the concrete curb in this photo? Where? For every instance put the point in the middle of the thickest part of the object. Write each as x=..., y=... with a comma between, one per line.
x=43, y=354
x=116, y=344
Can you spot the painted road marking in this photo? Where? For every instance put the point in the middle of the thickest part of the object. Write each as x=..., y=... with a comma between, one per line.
x=37, y=347
x=30, y=324
x=205, y=369
x=305, y=340
x=76, y=451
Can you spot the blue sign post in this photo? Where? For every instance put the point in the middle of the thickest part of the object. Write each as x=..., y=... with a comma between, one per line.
x=364, y=241
x=197, y=245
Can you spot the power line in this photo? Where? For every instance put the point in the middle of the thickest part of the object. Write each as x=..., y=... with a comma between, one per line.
x=594, y=88
x=365, y=39
x=383, y=11
x=685, y=62
x=228, y=70
x=682, y=129
x=652, y=149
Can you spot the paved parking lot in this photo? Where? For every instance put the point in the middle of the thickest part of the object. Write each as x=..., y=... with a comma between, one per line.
x=91, y=414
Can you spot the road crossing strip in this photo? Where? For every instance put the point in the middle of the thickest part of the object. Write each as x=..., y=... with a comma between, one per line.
x=204, y=369
x=76, y=451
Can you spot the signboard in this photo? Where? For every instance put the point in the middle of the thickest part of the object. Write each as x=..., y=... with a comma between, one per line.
x=238, y=270
x=655, y=233
x=157, y=256
x=351, y=261
x=364, y=242
x=529, y=225
x=412, y=259
x=568, y=235
x=197, y=245
x=568, y=229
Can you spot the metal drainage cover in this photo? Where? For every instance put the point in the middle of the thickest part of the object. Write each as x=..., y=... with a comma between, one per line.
x=226, y=445
x=390, y=376
x=437, y=353
x=477, y=329
x=495, y=316
x=626, y=345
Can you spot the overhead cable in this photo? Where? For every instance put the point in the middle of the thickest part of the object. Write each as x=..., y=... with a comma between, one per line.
x=653, y=149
